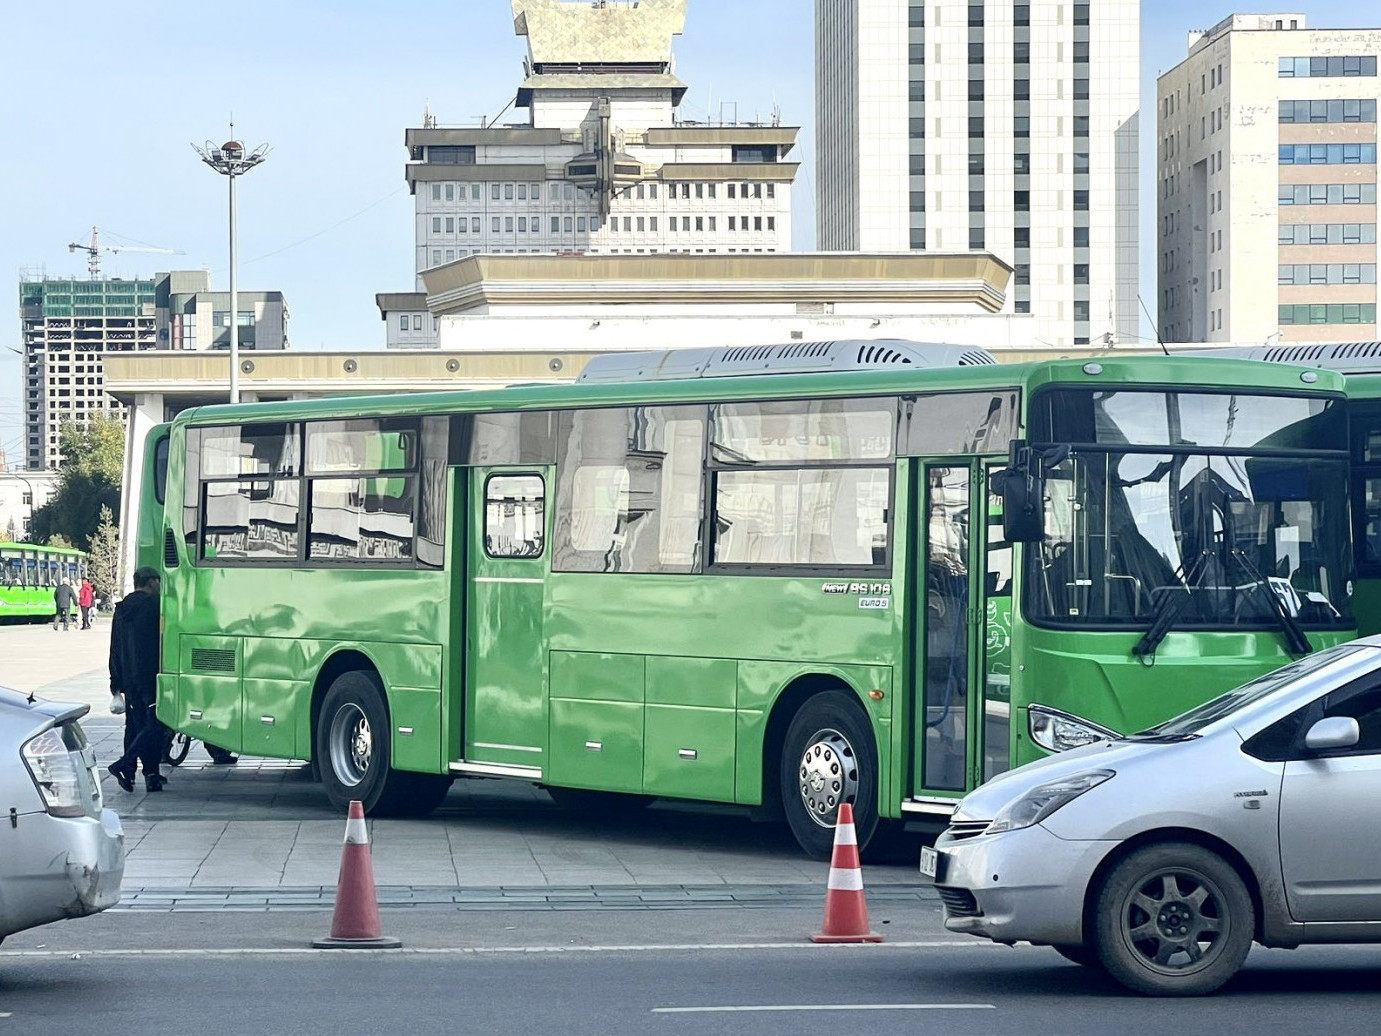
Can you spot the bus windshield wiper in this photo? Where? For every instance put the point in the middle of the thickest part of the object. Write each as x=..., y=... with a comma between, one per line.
x=1296, y=642
x=1168, y=610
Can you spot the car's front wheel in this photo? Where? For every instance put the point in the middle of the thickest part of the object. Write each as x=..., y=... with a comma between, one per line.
x=1174, y=919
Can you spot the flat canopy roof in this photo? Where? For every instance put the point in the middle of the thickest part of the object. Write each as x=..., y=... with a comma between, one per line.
x=977, y=278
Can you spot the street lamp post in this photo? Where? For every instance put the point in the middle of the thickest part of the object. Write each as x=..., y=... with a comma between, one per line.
x=231, y=160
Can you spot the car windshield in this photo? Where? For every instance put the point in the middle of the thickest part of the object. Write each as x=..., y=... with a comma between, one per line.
x=1190, y=723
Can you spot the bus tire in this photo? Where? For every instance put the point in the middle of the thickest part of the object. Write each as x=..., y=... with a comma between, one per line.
x=415, y=794
x=828, y=757
x=352, y=745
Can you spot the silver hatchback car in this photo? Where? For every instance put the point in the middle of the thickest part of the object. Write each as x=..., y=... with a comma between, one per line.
x=1162, y=856
x=61, y=853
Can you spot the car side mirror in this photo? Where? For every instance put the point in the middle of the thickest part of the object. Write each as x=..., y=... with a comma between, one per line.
x=1333, y=732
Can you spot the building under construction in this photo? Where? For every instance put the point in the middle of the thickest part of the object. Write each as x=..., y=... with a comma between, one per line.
x=69, y=325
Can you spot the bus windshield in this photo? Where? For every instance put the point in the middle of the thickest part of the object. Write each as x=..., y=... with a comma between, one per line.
x=1228, y=502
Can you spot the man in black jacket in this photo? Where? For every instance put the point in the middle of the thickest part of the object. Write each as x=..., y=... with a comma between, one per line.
x=134, y=650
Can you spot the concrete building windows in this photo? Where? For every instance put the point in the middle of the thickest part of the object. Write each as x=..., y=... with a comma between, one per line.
x=1327, y=154
x=1328, y=194
x=1361, y=109
x=1313, y=68
x=1331, y=313
x=474, y=224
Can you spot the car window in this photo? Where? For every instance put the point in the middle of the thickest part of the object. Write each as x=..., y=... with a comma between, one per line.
x=1363, y=705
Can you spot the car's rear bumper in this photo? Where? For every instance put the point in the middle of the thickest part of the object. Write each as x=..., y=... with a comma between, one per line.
x=1015, y=886
x=57, y=867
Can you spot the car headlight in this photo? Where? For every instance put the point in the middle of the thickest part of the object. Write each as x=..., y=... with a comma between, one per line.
x=1057, y=731
x=55, y=770
x=1044, y=799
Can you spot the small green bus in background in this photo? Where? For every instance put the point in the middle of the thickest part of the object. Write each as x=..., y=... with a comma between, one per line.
x=779, y=576
x=28, y=575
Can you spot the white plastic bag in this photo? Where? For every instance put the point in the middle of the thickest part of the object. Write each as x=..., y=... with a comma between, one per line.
x=117, y=703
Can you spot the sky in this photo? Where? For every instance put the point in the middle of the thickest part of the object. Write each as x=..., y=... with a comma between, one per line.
x=99, y=104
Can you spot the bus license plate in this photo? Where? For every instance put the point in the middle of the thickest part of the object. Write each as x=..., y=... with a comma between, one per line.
x=930, y=862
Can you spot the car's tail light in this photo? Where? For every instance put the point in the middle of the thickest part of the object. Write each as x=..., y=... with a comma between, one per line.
x=55, y=763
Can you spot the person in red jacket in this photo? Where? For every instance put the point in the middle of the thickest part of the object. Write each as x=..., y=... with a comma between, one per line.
x=86, y=598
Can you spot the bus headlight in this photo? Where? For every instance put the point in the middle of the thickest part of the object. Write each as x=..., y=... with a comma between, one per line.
x=1057, y=731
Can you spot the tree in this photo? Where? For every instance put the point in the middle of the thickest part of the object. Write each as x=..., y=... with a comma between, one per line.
x=12, y=533
x=57, y=539
x=103, y=561
x=93, y=460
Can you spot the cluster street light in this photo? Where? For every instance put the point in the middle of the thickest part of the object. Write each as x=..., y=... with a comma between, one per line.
x=231, y=160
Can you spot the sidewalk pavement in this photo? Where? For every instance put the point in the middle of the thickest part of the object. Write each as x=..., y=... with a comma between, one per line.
x=261, y=835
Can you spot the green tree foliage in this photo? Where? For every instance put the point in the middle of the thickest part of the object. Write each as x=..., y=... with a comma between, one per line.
x=93, y=460
x=59, y=540
x=103, y=561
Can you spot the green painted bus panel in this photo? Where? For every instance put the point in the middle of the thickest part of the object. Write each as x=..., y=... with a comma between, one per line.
x=209, y=707
x=416, y=736
x=1366, y=605
x=596, y=744
x=591, y=676
x=689, y=752
x=721, y=617
x=149, y=549
x=706, y=682
x=1097, y=677
x=269, y=719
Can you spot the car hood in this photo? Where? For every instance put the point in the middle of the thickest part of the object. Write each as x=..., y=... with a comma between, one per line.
x=984, y=802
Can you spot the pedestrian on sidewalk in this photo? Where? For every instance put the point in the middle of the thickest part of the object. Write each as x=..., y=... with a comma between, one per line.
x=63, y=599
x=86, y=599
x=134, y=654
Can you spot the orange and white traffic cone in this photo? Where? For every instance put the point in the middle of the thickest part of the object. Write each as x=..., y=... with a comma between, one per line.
x=355, y=925
x=846, y=908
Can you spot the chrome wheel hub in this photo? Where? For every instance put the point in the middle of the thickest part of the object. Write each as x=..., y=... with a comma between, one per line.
x=352, y=745
x=828, y=775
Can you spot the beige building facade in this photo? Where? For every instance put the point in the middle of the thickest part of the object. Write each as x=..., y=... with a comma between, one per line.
x=1267, y=184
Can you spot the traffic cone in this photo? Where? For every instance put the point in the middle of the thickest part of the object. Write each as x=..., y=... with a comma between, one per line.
x=355, y=924
x=846, y=908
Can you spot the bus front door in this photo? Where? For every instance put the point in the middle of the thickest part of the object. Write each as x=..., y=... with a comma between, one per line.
x=504, y=726
x=963, y=571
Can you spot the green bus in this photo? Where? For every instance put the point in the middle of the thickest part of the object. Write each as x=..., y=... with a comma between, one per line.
x=781, y=577
x=1360, y=363
x=28, y=575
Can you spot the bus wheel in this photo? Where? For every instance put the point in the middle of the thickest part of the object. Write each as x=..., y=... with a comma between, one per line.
x=828, y=758
x=352, y=746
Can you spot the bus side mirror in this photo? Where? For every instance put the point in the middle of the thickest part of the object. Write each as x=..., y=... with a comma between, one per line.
x=1022, y=488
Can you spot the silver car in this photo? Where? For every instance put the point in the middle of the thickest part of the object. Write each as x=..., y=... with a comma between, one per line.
x=1163, y=855
x=61, y=854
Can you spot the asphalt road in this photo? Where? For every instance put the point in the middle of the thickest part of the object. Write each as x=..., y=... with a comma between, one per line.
x=936, y=986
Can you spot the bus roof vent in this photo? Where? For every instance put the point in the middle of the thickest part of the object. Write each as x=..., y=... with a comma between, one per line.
x=1345, y=357
x=794, y=358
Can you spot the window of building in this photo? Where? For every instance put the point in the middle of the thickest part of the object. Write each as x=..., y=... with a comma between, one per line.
x=436, y=224
x=474, y=224
x=403, y=322
x=436, y=192
x=494, y=224
x=1327, y=154
x=556, y=224
x=495, y=191
x=1332, y=313
x=569, y=225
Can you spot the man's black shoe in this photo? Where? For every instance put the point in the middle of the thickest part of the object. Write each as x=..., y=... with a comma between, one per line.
x=154, y=782
x=224, y=759
x=122, y=778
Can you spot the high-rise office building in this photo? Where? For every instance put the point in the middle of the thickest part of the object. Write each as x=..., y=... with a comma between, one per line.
x=1266, y=183
x=955, y=125
x=69, y=325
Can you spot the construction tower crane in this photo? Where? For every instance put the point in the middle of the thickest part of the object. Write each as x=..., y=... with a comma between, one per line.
x=94, y=248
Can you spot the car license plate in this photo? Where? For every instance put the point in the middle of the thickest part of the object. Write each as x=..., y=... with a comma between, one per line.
x=930, y=862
